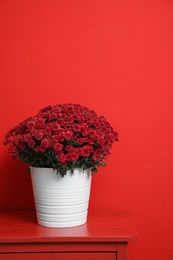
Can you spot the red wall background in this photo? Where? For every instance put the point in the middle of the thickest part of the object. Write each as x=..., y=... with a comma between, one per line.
x=115, y=57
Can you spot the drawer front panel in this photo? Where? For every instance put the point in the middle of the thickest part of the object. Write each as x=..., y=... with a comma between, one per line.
x=60, y=256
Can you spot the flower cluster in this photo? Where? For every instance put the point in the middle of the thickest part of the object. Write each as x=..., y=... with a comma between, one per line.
x=63, y=137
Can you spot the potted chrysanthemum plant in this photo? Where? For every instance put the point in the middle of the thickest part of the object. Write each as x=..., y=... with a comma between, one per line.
x=63, y=145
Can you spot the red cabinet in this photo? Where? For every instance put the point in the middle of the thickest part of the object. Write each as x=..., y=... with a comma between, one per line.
x=105, y=236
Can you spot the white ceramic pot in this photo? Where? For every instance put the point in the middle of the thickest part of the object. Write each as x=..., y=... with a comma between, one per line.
x=61, y=202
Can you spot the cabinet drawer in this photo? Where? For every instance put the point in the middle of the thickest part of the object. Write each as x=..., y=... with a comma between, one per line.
x=60, y=256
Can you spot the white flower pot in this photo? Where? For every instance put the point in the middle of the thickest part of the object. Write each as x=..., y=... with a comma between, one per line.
x=61, y=202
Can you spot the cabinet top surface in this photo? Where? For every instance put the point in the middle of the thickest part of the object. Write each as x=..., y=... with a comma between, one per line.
x=102, y=226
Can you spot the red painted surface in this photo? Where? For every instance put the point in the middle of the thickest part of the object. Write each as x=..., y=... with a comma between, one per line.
x=116, y=58
x=104, y=236
x=111, y=226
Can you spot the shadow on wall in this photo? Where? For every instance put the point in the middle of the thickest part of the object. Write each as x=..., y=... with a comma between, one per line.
x=16, y=188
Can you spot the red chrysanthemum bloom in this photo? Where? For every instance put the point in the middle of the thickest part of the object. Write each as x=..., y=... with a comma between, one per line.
x=62, y=136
